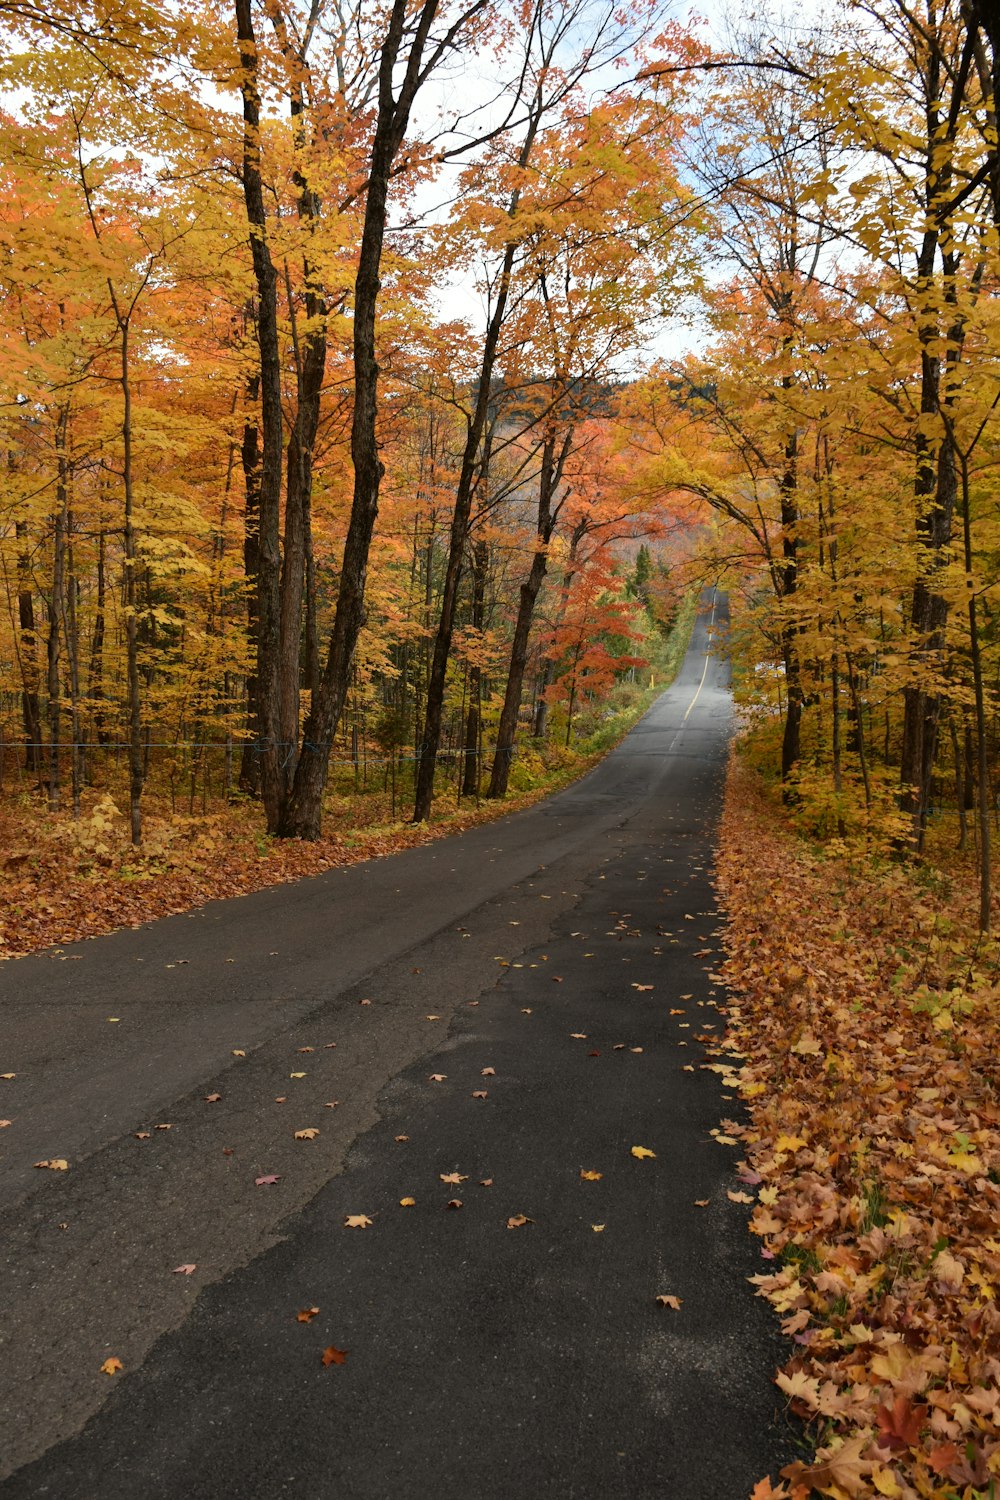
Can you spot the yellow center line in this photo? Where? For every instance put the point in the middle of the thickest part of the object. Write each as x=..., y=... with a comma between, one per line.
x=704, y=673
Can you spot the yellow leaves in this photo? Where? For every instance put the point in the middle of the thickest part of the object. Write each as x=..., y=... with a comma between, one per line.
x=642, y=1153
x=590, y=1176
x=518, y=1221
x=598, y=1228
x=57, y=1164
x=296, y=1075
x=807, y=1046
x=407, y=1202
x=799, y=1387
x=111, y=1366
x=453, y=1178
x=789, y=1142
x=666, y=1299
x=308, y=1134
x=357, y=1221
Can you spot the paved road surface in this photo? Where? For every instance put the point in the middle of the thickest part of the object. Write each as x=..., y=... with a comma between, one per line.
x=482, y=1361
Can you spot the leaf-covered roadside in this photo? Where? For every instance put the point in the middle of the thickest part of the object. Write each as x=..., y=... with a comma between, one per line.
x=868, y=1029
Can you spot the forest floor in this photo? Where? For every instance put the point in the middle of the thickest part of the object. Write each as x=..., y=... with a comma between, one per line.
x=864, y=1035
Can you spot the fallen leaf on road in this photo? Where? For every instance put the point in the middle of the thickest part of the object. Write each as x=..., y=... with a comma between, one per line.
x=578, y=1036
x=267, y=1181
x=212, y=1098
x=517, y=1221
x=142, y=1135
x=356, y=1221
x=111, y=1366
x=666, y=1300
x=407, y=1202
x=635, y=1049
x=739, y=1197
x=296, y=1075
x=364, y=1002
x=452, y=1177
x=331, y=1104
x=486, y=1182
x=306, y=1315
x=165, y=1126
x=332, y=1356
x=187, y=1270
x=281, y=1099
x=597, y=1228
x=305, y=1049
x=487, y=1073
x=642, y=1152
x=525, y=1010
x=402, y=1137
x=432, y=1018
x=591, y=1176
x=309, y=1134
x=57, y=1164
x=702, y=1202
x=4, y=1124
x=8, y=1075
x=114, y=1020
x=238, y=1052
x=642, y=987
x=454, y=1203
x=479, y=1094
x=437, y=1077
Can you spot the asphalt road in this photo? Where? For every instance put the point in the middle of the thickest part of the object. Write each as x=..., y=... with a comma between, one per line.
x=568, y=952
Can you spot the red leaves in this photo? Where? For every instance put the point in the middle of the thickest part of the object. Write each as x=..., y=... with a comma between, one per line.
x=333, y=1356
x=900, y=1424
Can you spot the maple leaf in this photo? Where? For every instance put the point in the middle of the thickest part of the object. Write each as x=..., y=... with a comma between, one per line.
x=799, y=1387
x=454, y=1178
x=437, y=1077
x=942, y=1457
x=454, y=1203
x=306, y=1314
x=665, y=1299
x=642, y=1152
x=142, y=1135
x=332, y=1355
x=739, y=1197
x=642, y=987
x=900, y=1424
x=479, y=1094
x=185, y=1270
x=267, y=1181
x=111, y=1366
x=212, y=1098
x=518, y=1221
x=488, y=1072
x=591, y=1176
x=702, y=1202
x=308, y=1134
x=357, y=1221
x=57, y=1164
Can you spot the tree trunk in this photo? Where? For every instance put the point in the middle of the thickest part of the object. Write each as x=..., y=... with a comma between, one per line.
x=473, y=726
x=548, y=482
x=249, y=777
x=31, y=712
x=269, y=489
x=301, y=816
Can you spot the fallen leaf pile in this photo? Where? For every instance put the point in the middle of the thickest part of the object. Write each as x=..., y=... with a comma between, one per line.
x=864, y=1037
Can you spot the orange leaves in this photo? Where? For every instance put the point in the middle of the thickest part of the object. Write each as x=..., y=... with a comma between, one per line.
x=111, y=1366
x=642, y=1152
x=308, y=1134
x=518, y=1221
x=57, y=1164
x=333, y=1356
x=357, y=1221
x=590, y=1176
x=667, y=1299
x=306, y=1314
x=871, y=1144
